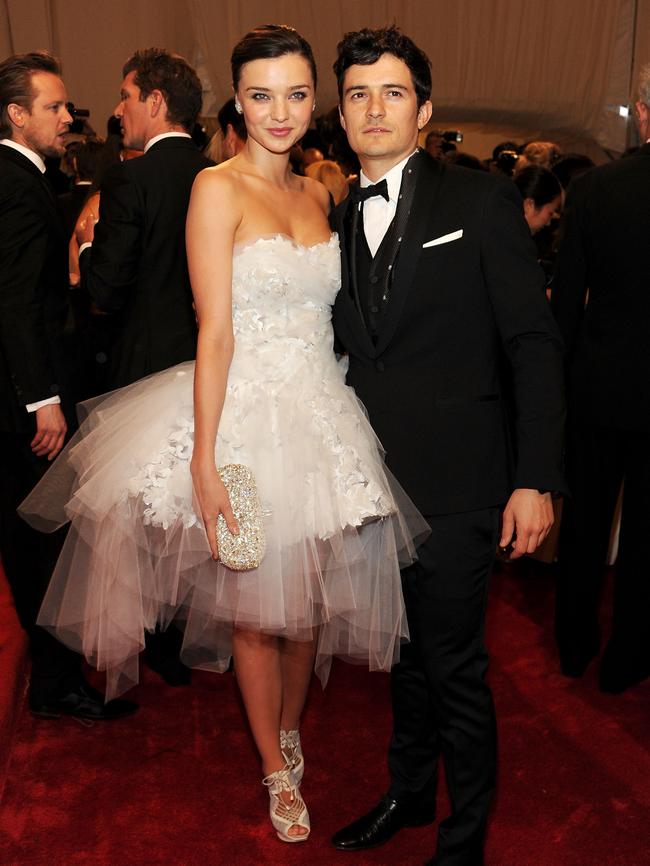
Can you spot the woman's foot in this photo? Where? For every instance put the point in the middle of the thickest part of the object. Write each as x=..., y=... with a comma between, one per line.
x=292, y=752
x=287, y=809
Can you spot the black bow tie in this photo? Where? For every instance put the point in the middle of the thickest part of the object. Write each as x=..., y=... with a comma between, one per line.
x=361, y=193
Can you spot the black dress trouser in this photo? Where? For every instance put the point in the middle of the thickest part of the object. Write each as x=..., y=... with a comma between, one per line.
x=28, y=559
x=599, y=459
x=441, y=702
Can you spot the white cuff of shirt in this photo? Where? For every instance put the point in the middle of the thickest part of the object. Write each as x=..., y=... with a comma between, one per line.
x=84, y=247
x=32, y=407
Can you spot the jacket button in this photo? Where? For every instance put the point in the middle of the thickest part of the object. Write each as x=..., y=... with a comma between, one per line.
x=374, y=279
x=379, y=366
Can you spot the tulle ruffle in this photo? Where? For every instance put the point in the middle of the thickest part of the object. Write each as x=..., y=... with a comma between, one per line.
x=338, y=528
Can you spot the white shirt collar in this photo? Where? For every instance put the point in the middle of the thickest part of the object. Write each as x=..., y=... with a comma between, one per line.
x=162, y=135
x=393, y=178
x=31, y=155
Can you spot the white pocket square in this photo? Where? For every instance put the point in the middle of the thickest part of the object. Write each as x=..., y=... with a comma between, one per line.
x=444, y=239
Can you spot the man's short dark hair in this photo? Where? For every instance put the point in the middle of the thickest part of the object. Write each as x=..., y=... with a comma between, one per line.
x=157, y=69
x=16, y=82
x=228, y=114
x=365, y=47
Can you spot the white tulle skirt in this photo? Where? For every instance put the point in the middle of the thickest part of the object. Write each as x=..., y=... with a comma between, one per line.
x=338, y=527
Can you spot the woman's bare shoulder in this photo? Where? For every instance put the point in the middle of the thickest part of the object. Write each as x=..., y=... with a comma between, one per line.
x=317, y=191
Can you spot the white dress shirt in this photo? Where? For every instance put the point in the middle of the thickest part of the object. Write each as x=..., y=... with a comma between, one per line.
x=162, y=135
x=34, y=157
x=377, y=212
x=31, y=155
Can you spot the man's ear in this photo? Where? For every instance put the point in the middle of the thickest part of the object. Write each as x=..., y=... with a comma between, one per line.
x=16, y=114
x=157, y=101
x=424, y=114
x=342, y=119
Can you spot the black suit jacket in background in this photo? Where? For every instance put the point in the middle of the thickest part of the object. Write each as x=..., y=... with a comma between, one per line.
x=604, y=252
x=433, y=384
x=137, y=266
x=36, y=342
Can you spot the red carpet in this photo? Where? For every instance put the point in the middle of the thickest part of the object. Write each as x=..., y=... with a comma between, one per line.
x=13, y=673
x=178, y=784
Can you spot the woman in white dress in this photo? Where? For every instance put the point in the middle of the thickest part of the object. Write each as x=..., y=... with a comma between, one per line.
x=139, y=482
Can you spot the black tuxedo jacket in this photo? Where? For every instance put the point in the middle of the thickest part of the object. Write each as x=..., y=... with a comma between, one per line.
x=137, y=266
x=35, y=337
x=433, y=383
x=604, y=252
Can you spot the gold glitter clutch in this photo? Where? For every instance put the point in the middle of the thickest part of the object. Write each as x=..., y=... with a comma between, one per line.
x=246, y=550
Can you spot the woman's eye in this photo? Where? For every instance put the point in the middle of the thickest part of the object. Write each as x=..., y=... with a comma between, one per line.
x=299, y=94
x=259, y=96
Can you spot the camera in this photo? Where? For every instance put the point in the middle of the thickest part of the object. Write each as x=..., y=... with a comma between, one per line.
x=77, y=112
x=79, y=125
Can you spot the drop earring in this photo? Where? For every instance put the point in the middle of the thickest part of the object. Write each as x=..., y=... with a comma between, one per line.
x=238, y=107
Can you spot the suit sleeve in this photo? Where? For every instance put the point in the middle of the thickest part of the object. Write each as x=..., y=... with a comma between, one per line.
x=570, y=282
x=530, y=339
x=109, y=268
x=24, y=236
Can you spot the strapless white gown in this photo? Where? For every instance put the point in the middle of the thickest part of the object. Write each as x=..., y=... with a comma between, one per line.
x=338, y=526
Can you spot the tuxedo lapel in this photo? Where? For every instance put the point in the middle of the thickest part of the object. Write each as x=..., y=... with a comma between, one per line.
x=427, y=186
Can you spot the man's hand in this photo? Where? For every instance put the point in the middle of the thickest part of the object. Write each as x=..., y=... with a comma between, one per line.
x=529, y=514
x=50, y=431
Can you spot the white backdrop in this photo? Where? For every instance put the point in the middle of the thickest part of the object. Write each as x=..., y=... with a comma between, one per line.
x=560, y=65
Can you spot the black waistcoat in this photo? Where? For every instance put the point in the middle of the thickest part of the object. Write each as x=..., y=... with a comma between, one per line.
x=372, y=277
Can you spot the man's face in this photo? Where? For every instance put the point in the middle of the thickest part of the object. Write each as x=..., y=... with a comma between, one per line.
x=380, y=115
x=433, y=145
x=134, y=115
x=44, y=127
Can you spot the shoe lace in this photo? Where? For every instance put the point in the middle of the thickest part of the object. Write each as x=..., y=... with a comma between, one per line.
x=279, y=782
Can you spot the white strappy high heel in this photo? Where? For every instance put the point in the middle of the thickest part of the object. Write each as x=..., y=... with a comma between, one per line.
x=292, y=753
x=285, y=815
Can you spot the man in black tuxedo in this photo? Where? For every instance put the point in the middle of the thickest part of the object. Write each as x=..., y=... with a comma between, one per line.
x=441, y=291
x=602, y=258
x=136, y=265
x=36, y=365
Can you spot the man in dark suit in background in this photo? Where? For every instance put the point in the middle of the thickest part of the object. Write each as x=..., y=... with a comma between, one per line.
x=135, y=265
x=602, y=304
x=440, y=288
x=36, y=365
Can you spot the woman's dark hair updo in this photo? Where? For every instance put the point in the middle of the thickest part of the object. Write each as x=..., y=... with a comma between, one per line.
x=269, y=41
x=538, y=183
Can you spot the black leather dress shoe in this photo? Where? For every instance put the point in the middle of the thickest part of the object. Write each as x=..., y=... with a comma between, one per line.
x=381, y=824
x=83, y=702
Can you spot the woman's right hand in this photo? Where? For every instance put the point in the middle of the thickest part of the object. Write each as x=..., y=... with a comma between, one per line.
x=213, y=500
